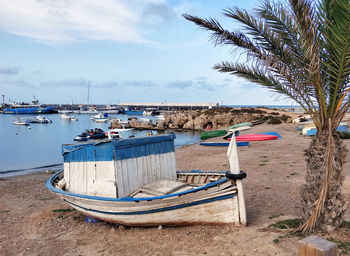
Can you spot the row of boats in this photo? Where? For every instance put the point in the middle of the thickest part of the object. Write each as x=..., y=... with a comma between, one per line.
x=36, y=120
x=307, y=127
x=242, y=140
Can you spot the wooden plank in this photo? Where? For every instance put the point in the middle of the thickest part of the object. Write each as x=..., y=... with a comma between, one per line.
x=234, y=168
x=315, y=246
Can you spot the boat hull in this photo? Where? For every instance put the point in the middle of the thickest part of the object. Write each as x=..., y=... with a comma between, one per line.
x=255, y=137
x=27, y=110
x=213, y=203
x=224, y=144
x=212, y=134
x=128, y=112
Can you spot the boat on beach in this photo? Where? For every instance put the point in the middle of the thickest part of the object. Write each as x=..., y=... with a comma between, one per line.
x=134, y=182
x=224, y=144
x=255, y=137
x=213, y=134
x=233, y=127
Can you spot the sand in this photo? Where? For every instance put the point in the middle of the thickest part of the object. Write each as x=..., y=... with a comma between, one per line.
x=276, y=169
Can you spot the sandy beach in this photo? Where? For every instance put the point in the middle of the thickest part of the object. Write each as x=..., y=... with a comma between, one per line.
x=33, y=221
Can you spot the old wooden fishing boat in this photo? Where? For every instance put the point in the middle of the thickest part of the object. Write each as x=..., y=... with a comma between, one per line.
x=134, y=182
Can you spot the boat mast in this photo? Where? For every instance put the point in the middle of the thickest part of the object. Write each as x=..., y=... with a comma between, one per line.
x=88, y=97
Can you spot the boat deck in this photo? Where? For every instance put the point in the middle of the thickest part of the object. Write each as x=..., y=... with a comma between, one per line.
x=186, y=181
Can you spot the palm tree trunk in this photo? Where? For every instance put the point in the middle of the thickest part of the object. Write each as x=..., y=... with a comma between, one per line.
x=333, y=210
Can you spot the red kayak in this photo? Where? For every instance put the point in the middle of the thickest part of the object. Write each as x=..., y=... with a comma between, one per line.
x=255, y=137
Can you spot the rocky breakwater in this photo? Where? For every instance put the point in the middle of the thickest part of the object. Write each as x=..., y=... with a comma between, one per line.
x=219, y=118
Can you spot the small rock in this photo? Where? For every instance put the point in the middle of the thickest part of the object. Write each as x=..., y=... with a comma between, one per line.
x=160, y=227
x=121, y=227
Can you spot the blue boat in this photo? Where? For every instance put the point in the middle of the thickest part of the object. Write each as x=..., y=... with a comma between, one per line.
x=340, y=128
x=27, y=108
x=132, y=111
x=224, y=144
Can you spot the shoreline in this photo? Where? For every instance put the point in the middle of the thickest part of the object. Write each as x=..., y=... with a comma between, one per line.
x=37, y=222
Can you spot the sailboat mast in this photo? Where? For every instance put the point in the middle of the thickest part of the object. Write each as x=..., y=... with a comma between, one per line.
x=88, y=97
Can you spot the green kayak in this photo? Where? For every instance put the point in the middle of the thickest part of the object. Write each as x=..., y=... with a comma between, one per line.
x=212, y=134
x=239, y=125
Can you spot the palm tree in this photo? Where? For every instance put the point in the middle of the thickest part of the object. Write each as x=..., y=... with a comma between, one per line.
x=301, y=49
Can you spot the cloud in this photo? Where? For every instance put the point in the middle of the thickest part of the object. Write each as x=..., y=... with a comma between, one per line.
x=198, y=83
x=158, y=13
x=138, y=83
x=66, y=21
x=82, y=82
x=20, y=83
x=79, y=82
x=180, y=84
x=9, y=70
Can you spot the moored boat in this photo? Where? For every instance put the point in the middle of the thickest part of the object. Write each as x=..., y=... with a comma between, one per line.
x=27, y=108
x=120, y=133
x=100, y=117
x=68, y=117
x=19, y=122
x=134, y=182
x=40, y=120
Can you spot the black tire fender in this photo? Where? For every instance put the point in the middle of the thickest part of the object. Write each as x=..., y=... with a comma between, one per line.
x=242, y=175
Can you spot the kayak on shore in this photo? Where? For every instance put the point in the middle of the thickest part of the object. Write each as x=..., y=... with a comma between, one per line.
x=255, y=137
x=213, y=134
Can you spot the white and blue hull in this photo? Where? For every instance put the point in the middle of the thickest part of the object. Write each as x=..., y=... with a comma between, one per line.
x=134, y=182
x=212, y=203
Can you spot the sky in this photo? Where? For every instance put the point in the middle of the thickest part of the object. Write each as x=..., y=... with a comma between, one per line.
x=127, y=50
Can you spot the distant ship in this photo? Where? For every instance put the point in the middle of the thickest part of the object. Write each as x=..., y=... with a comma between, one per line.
x=27, y=108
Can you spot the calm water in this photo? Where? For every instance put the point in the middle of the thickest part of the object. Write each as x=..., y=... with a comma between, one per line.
x=26, y=149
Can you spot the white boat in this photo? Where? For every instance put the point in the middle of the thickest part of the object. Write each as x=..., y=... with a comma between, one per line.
x=65, y=111
x=145, y=120
x=41, y=120
x=87, y=111
x=121, y=122
x=307, y=128
x=68, y=117
x=65, y=116
x=109, y=109
x=147, y=113
x=121, y=133
x=240, y=128
x=19, y=122
x=134, y=182
x=100, y=118
x=161, y=117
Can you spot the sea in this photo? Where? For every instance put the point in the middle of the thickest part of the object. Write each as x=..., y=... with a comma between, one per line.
x=24, y=150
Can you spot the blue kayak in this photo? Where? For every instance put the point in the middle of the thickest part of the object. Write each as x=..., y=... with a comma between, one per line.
x=225, y=144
